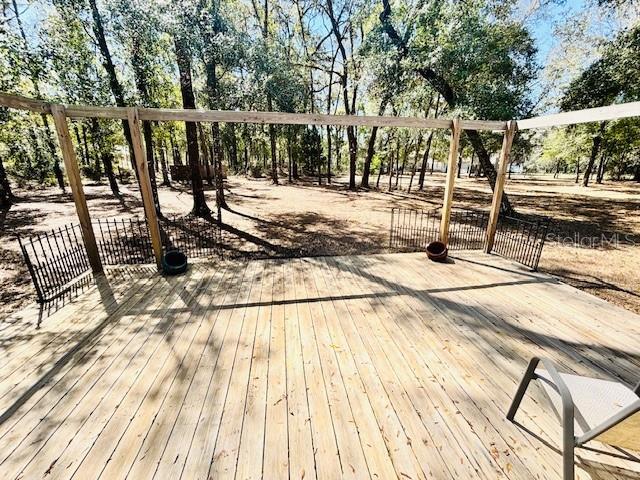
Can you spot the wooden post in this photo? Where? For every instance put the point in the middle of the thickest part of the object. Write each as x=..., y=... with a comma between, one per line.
x=75, y=183
x=507, y=141
x=145, y=183
x=451, y=178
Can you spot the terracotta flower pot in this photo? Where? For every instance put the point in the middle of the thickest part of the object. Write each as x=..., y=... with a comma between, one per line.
x=437, y=251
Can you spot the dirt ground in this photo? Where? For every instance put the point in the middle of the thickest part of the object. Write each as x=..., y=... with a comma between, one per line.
x=594, y=242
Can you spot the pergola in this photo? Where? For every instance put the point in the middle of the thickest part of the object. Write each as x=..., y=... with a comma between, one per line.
x=133, y=115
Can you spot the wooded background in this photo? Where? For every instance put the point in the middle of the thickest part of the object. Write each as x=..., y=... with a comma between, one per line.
x=426, y=58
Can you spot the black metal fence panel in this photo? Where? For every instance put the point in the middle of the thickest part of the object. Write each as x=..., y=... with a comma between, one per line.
x=413, y=230
x=195, y=236
x=123, y=241
x=521, y=240
x=517, y=239
x=468, y=229
x=55, y=260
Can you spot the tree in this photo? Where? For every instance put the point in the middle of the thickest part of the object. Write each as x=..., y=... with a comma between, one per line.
x=138, y=30
x=82, y=81
x=340, y=27
x=109, y=67
x=272, y=131
x=613, y=77
x=183, y=59
x=34, y=64
x=481, y=65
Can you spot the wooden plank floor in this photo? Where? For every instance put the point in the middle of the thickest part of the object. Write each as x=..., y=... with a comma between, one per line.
x=380, y=366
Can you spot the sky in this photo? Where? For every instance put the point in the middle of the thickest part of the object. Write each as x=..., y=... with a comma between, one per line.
x=543, y=29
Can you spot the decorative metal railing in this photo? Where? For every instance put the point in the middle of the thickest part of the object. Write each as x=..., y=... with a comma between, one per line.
x=521, y=240
x=57, y=260
x=123, y=241
x=516, y=238
x=413, y=230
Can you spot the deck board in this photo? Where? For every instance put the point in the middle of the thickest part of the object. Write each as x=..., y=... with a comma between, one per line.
x=380, y=366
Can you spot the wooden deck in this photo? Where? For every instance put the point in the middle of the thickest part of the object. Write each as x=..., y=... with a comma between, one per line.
x=378, y=366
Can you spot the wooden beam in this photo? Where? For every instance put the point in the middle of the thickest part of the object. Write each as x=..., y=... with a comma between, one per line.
x=145, y=183
x=451, y=178
x=498, y=190
x=226, y=116
x=23, y=103
x=75, y=183
x=599, y=114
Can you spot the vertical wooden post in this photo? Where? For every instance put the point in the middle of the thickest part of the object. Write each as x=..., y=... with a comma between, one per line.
x=451, y=178
x=75, y=183
x=498, y=190
x=145, y=183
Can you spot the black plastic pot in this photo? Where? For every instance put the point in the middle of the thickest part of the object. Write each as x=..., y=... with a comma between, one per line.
x=437, y=251
x=174, y=262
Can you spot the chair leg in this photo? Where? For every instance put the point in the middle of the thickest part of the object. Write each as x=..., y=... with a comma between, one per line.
x=568, y=458
x=568, y=443
x=529, y=375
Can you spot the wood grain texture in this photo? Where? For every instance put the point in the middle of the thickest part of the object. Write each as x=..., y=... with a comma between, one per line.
x=452, y=169
x=498, y=190
x=75, y=184
x=145, y=183
x=378, y=366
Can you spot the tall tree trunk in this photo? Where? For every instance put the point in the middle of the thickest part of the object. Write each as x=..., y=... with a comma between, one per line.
x=163, y=165
x=213, y=96
x=147, y=133
x=425, y=157
x=183, y=57
x=175, y=150
x=6, y=195
x=425, y=160
x=106, y=155
x=595, y=149
x=219, y=171
x=390, y=171
x=601, y=168
x=415, y=161
x=344, y=81
x=114, y=84
x=577, y=170
x=289, y=155
x=364, y=183
x=272, y=143
x=399, y=170
x=459, y=164
x=233, y=146
x=51, y=145
x=83, y=159
x=207, y=153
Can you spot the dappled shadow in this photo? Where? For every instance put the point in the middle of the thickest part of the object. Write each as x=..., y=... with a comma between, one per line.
x=297, y=235
x=71, y=354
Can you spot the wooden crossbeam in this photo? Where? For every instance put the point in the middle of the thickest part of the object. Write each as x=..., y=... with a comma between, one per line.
x=226, y=116
x=599, y=114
